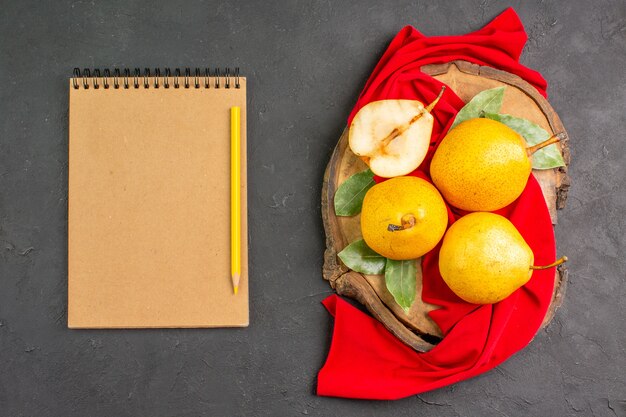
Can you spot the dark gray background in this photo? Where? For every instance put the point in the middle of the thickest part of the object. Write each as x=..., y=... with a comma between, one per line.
x=306, y=63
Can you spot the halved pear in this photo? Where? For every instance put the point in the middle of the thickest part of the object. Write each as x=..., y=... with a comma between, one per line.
x=392, y=136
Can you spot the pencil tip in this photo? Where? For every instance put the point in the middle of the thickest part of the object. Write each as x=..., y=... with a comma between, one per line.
x=236, y=289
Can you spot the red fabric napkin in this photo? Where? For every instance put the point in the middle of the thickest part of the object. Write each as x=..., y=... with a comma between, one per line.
x=367, y=361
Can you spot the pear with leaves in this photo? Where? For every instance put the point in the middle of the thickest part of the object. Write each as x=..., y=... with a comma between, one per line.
x=483, y=165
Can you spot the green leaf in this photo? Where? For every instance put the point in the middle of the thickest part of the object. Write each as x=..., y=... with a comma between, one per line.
x=487, y=101
x=546, y=158
x=350, y=194
x=400, y=280
x=361, y=258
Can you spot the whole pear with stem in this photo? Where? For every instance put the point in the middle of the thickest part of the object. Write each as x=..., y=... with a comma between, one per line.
x=484, y=258
x=483, y=165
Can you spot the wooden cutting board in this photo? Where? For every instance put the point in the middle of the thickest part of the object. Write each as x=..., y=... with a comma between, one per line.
x=416, y=329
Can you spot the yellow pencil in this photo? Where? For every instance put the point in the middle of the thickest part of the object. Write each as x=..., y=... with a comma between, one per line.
x=235, y=196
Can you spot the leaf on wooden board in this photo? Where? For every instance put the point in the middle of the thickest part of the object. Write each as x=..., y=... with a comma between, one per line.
x=361, y=258
x=400, y=277
x=487, y=101
x=545, y=158
x=350, y=194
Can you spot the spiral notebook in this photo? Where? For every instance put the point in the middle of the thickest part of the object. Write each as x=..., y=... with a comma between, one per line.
x=149, y=199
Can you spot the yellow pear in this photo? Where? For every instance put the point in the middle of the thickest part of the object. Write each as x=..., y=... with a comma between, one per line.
x=483, y=165
x=484, y=259
x=392, y=136
x=403, y=218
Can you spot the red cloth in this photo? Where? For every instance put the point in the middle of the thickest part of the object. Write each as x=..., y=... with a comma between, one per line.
x=366, y=360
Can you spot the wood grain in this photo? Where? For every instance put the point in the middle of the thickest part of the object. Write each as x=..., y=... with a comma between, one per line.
x=416, y=329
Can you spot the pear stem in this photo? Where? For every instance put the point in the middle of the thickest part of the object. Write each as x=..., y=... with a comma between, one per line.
x=400, y=130
x=553, y=139
x=407, y=221
x=436, y=100
x=553, y=264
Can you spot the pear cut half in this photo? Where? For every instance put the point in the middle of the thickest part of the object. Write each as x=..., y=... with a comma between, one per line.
x=391, y=136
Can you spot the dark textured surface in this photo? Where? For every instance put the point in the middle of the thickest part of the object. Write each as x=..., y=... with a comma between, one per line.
x=306, y=63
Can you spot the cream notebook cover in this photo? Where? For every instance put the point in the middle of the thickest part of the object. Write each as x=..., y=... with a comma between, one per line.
x=149, y=201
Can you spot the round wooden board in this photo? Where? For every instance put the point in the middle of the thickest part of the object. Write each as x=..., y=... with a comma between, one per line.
x=416, y=329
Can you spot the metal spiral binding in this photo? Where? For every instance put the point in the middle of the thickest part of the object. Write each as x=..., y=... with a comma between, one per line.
x=126, y=77
x=206, y=78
